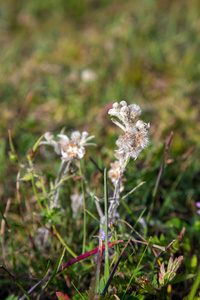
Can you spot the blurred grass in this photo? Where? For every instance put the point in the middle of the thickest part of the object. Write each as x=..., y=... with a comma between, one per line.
x=145, y=52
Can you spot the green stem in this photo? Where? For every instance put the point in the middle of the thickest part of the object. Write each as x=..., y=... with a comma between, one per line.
x=106, y=270
x=36, y=195
x=63, y=242
x=84, y=210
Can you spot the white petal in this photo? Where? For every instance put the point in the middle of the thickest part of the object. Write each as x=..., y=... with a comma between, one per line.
x=81, y=152
x=64, y=138
x=76, y=136
x=118, y=124
x=113, y=112
x=123, y=103
x=48, y=136
x=116, y=106
x=64, y=154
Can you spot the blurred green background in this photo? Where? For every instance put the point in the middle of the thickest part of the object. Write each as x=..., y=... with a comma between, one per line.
x=64, y=62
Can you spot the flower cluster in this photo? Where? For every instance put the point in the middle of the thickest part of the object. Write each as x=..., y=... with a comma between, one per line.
x=135, y=135
x=69, y=149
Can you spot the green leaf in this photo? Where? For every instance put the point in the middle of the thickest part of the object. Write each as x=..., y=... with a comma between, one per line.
x=162, y=237
x=155, y=281
x=101, y=285
x=180, y=278
x=12, y=297
x=194, y=261
x=58, y=264
x=37, y=143
x=27, y=177
x=195, y=286
x=149, y=288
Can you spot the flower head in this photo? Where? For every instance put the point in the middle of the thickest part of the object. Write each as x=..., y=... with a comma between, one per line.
x=135, y=135
x=69, y=149
x=126, y=113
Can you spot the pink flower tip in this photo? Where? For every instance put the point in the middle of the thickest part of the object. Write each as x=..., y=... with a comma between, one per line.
x=61, y=296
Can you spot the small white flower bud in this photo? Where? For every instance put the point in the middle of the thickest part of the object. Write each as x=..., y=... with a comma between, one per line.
x=124, y=109
x=76, y=136
x=135, y=111
x=141, y=126
x=85, y=134
x=123, y=103
x=116, y=106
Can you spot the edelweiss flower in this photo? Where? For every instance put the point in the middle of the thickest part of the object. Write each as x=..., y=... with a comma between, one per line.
x=69, y=148
x=134, y=138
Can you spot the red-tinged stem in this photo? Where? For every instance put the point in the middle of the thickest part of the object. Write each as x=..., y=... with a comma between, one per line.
x=114, y=270
x=88, y=254
x=71, y=262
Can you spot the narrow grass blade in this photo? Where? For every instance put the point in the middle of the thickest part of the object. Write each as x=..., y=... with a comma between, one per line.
x=89, y=213
x=78, y=291
x=133, y=275
x=133, y=190
x=84, y=207
x=16, y=282
x=55, y=271
x=106, y=268
x=63, y=242
x=195, y=287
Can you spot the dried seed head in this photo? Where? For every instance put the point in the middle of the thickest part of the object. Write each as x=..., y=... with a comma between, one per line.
x=114, y=174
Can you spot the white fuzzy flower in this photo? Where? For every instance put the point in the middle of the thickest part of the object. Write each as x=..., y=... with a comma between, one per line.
x=135, y=135
x=69, y=148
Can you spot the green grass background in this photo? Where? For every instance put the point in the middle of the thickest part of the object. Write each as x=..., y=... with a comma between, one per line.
x=145, y=52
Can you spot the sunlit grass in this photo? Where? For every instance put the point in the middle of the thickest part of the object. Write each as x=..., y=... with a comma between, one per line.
x=143, y=52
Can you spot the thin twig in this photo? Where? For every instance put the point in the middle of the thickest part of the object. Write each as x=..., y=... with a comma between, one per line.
x=3, y=223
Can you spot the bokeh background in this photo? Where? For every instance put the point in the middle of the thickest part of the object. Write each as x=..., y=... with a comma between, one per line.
x=63, y=63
